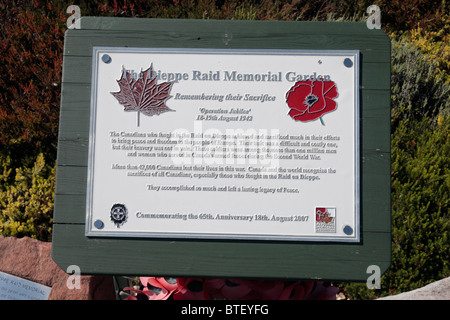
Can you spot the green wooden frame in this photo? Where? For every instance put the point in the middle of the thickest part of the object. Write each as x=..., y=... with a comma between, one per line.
x=223, y=258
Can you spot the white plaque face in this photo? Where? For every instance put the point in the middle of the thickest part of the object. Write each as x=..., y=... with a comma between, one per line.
x=224, y=144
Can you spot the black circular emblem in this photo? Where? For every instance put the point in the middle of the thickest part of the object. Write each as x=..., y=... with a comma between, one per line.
x=119, y=214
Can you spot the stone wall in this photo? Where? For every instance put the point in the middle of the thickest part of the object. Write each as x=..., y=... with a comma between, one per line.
x=31, y=259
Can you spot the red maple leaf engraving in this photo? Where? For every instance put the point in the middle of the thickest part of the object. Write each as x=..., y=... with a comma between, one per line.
x=143, y=94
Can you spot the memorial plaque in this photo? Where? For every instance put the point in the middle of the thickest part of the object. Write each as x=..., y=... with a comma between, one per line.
x=16, y=288
x=209, y=143
x=210, y=148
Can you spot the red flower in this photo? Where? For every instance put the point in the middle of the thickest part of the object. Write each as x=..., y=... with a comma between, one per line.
x=267, y=289
x=145, y=294
x=162, y=288
x=228, y=288
x=298, y=290
x=158, y=288
x=323, y=292
x=168, y=283
x=191, y=289
x=310, y=100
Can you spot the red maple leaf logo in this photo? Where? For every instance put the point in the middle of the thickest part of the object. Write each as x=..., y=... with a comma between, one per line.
x=143, y=94
x=322, y=215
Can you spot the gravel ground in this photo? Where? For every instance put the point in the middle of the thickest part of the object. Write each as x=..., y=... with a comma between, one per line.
x=439, y=290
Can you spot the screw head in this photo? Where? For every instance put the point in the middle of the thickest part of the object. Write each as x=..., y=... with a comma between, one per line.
x=99, y=224
x=348, y=62
x=106, y=58
x=348, y=230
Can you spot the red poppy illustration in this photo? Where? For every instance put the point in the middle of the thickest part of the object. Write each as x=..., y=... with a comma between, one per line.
x=310, y=100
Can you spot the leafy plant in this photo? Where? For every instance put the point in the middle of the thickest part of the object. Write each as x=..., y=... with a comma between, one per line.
x=31, y=43
x=436, y=46
x=417, y=88
x=26, y=200
x=420, y=204
x=404, y=15
x=420, y=209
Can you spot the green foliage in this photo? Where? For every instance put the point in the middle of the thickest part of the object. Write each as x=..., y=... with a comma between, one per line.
x=26, y=199
x=420, y=153
x=245, y=13
x=420, y=208
x=418, y=89
x=420, y=204
x=31, y=43
x=436, y=45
